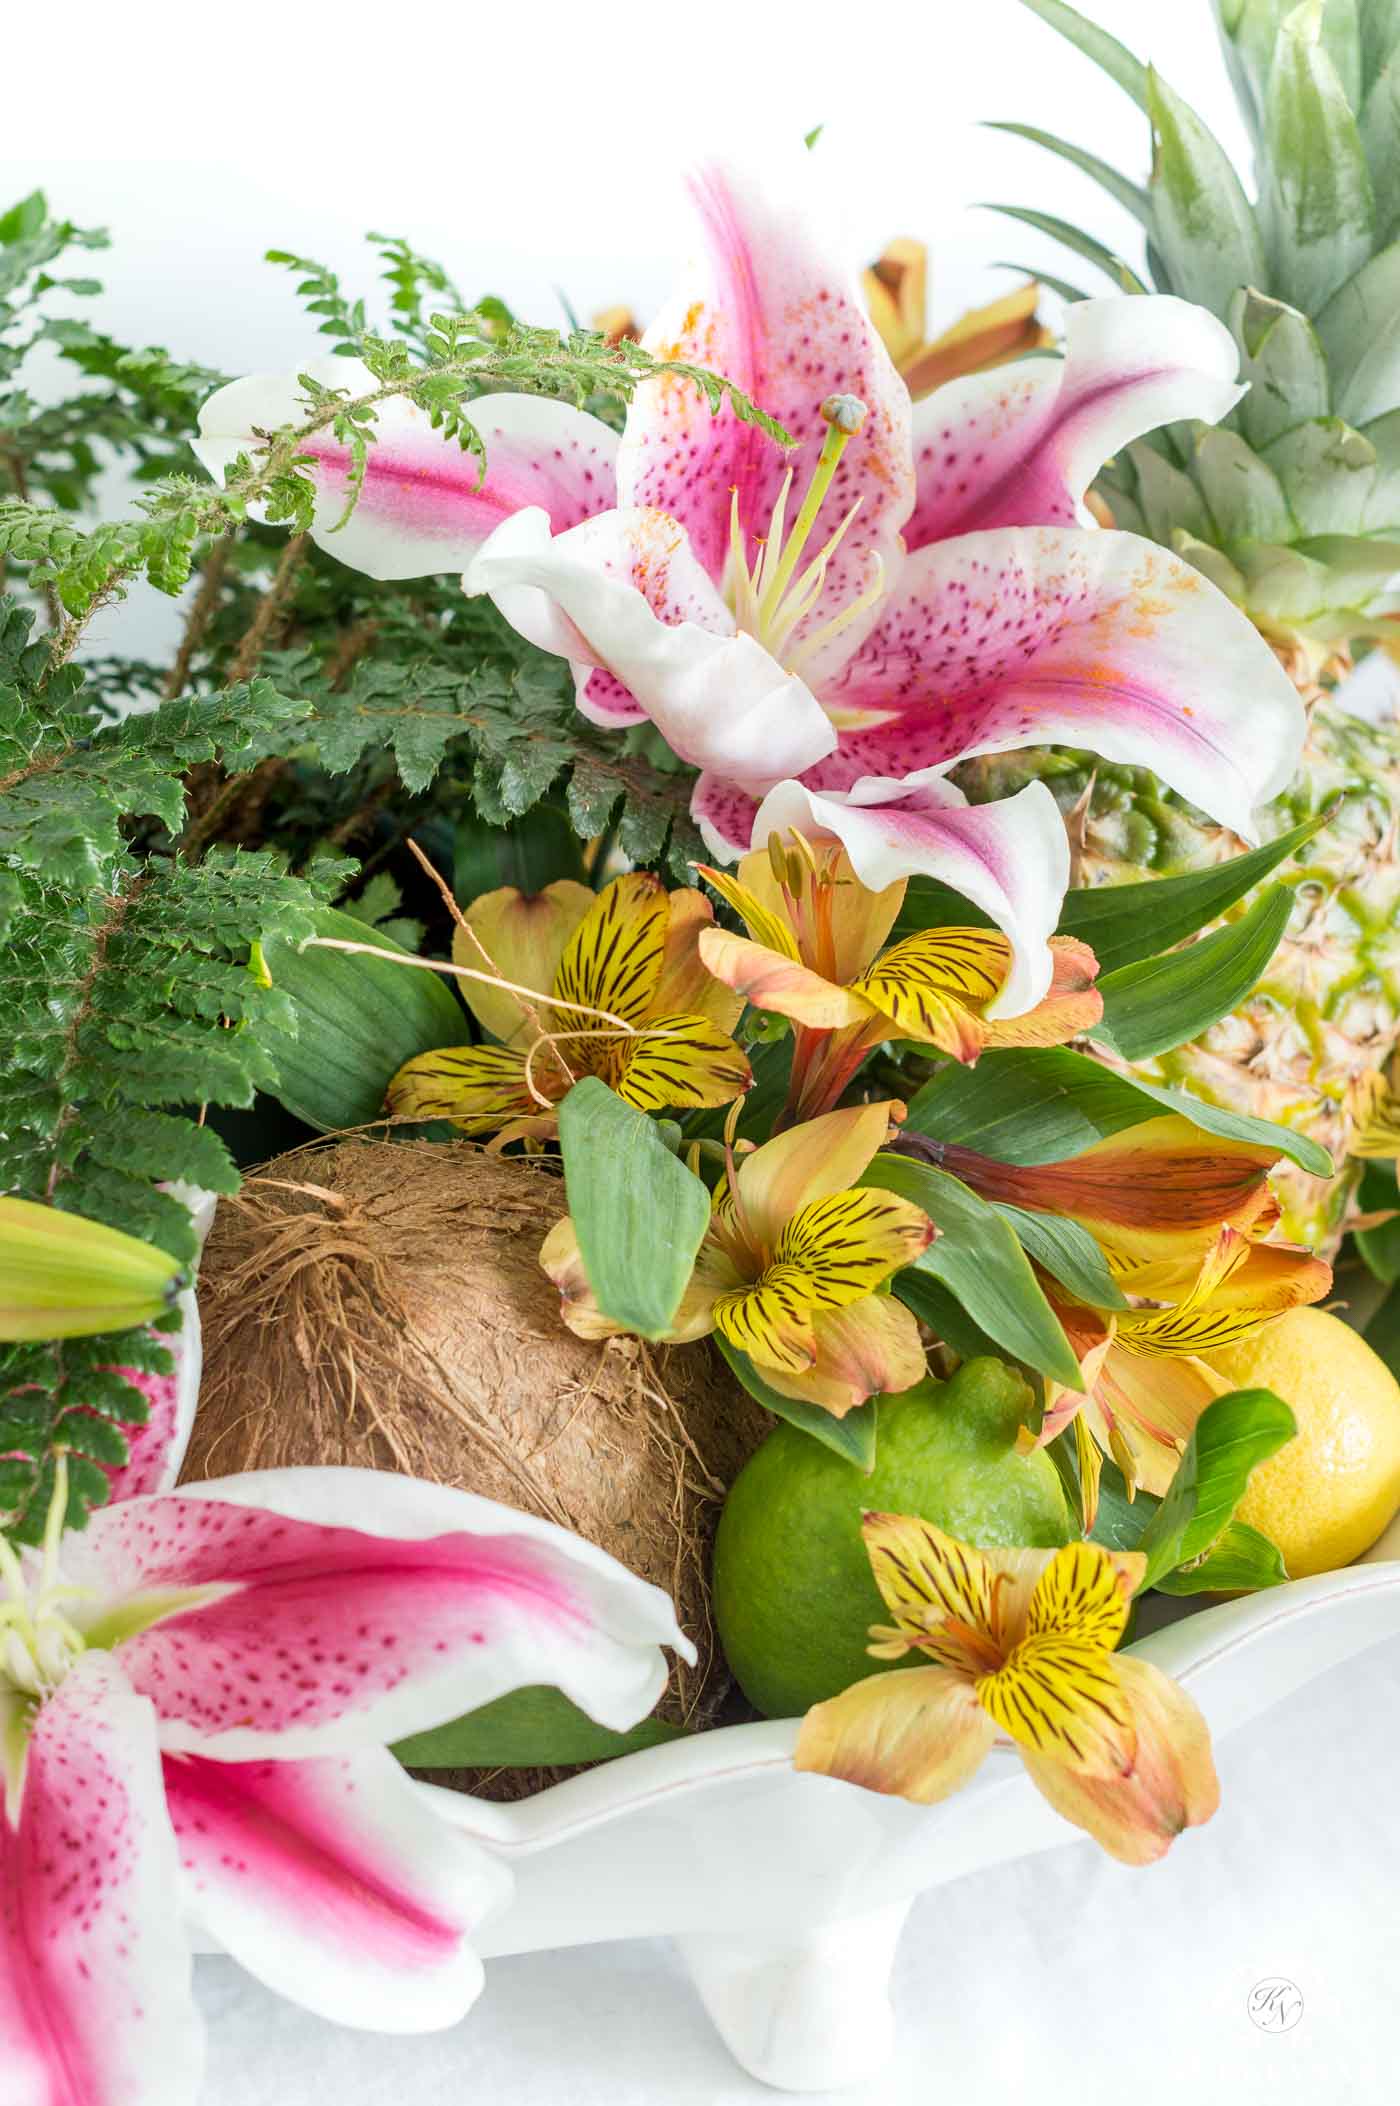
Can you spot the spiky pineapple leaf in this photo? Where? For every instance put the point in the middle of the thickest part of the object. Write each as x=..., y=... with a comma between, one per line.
x=1283, y=362
x=1359, y=331
x=1203, y=225
x=1131, y=196
x=1163, y=1002
x=1122, y=275
x=1315, y=197
x=1380, y=137
x=1106, y=52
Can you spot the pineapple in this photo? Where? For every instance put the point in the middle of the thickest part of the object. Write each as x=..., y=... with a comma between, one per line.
x=1292, y=507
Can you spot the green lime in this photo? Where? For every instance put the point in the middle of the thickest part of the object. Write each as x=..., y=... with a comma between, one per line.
x=793, y=1593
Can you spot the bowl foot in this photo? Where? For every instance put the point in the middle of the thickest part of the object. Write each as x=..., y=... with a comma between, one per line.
x=809, y=2013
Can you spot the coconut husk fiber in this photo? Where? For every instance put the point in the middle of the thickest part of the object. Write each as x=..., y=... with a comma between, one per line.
x=381, y=1304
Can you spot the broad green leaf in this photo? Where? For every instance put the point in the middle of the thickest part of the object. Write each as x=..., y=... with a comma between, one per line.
x=1169, y=500
x=1122, y=274
x=1203, y=223
x=1231, y=1436
x=1041, y=1104
x=525, y=1730
x=358, y=1020
x=1283, y=362
x=977, y=1256
x=1123, y=924
x=1380, y=38
x=639, y=1214
x=1131, y=196
x=1382, y=1333
x=1162, y=1002
x=1068, y=1253
x=852, y=1437
x=1380, y=1246
x=532, y=852
x=1240, y=1561
x=1106, y=52
x=1380, y=136
x=1120, y=1520
x=1315, y=199
x=1359, y=330
x=935, y=1305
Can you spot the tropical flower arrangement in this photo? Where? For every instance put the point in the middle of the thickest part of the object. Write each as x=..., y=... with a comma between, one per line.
x=615, y=914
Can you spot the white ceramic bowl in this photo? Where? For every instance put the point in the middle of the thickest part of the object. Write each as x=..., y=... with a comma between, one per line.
x=786, y=1893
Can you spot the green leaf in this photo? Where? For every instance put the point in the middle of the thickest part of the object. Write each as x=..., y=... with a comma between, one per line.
x=534, y=852
x=1244, y=495
x=1131, y=196
x=935, y=1305
x=639, y=1214
x=1359, y=330
x=853, y=1437
x=1068, y=1253
x=1041, y=1104
x=1106, y=52
x=527, y=1729
x=1203, y=224
x=358, y=1019
x=1380, y=1247
x=1093, y=251
x=1328, y=473
x=1240, y=1561
x=1283, y=362
x=977, y=1256
x=1162, y=1002
x=1380, y=136
x=1315, y=198
x=1125, y=923
x=1231, y=1436
x=1382, y=1333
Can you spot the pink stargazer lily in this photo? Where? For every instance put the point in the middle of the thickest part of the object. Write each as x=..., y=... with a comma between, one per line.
x=196, y=1696
x=825, y=634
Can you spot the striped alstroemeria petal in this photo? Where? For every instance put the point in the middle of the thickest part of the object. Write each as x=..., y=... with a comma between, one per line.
x=1060, y=1696
x=1072, y=1007
x=1375, y=1107
x=521, y=936
x=1135, y=1814
x=613, y=959
x=918, y=1735
x=686, y=984
x=774, y=981
x=935, y=985
x=477, y=1087
x=1241, y=1287
x=870, y=1348
x=1084, y=1593
x=808, y=1162
x=928, y=1578
x=679, y=1060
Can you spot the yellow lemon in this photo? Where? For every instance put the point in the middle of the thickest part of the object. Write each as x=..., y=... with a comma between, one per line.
x=1330, y=1492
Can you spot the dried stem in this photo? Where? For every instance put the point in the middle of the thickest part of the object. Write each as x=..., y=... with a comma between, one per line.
x=258, y=633
x=201, y=614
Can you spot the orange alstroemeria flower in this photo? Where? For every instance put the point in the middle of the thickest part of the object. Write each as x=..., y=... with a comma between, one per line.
x=612, y=986
x=1019, y=1642
x=791, y=1265
x=813, y=954
x=896, y=295
x=1145, y=1383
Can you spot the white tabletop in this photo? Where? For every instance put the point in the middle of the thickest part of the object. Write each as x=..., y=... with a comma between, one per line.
x=1065, y=1978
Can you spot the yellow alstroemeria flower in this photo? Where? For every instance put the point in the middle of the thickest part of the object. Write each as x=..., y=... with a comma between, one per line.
x=896, y=296
x=1375, y=1106
x=613, y=986
x=790, y=1267
x=1145, y=1384
x=813, y=954
x=1019, y=1642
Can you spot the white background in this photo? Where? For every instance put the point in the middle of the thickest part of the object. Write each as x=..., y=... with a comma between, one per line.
x=532, y=149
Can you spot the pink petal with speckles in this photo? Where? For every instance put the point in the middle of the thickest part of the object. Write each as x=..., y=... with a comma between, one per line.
x=353, y=1607
x=771, y=309
x=1010, y=858
x=335, y=1884
x=157, y=1449
x=725, y=815
x=1045, y=635
x=604, y=700
x=625, y=592
x=1020, y=445
x=95, y=2004
x=420, y=510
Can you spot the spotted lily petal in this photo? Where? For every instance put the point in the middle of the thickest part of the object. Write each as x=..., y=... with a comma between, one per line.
x=919, y=1734
x=425, y=505
x=1011, y=858
x=286, y=1628
x=95, y=2002
x=765, y=307
x=1047, y=635
x=1138, y=1811
x=333, y=1880
x=625, y=592
x=679, y=1060
x=477, y=1087
x=523, y=936
x=832, y=1252
x=1021, y=447
x=156, y=1450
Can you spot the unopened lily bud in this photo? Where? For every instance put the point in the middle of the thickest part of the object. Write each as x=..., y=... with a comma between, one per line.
x=62, y=1276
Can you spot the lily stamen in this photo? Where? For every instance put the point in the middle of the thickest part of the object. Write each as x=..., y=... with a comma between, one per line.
x=771, y=598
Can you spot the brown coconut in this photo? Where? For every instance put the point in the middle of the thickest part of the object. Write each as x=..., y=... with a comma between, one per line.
x=381, y=1304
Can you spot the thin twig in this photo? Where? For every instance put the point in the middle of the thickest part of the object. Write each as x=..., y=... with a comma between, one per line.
x=201, y=614
x=255, y=639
